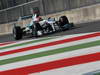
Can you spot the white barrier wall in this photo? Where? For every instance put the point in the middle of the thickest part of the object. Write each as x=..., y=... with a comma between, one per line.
x=79, y=15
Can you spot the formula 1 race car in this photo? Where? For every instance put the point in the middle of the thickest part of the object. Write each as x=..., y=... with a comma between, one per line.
x=42, y=27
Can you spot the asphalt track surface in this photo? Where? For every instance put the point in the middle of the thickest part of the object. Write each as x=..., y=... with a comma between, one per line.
x=80, y=28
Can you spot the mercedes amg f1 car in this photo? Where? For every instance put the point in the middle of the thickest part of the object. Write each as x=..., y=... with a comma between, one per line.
x=42, y=27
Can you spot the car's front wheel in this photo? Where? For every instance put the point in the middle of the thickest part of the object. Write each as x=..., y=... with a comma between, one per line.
x=17, y=33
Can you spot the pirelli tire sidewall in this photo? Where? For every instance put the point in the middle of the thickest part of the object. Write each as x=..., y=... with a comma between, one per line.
x=17, y=33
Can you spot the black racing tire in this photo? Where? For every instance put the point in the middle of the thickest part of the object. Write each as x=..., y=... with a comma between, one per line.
x=65, y=19
x=17, y=33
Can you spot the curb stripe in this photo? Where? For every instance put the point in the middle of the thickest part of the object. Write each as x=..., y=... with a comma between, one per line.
x=49, y=48
x=40, y=38
x=54, y=65
x=81, y=69
x=51, y=43
x=22, y=41
x=3, y=44
x=50, y=58
x=33, y=44
x=25, y=43
x=47, y=53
